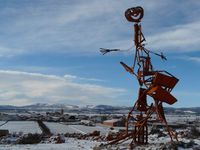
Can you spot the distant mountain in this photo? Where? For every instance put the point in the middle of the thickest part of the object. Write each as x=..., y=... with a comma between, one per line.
x=38, y=107
x=182, y=111
x=44, y=106
x=7, y=107
x=104, y=107
x=190, y=110
x=91, y=108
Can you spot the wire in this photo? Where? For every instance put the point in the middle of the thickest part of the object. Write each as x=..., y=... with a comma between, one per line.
x=127, y=49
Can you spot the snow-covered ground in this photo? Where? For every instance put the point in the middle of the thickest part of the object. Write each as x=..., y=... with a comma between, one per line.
x=74, y=144
x=21, y=126
x=181, y=118
x=25, y=127
x=70, y=144
x=32, y=127
x=62, y=128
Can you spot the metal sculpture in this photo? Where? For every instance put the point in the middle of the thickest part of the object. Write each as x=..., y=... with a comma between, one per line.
x=153, y=83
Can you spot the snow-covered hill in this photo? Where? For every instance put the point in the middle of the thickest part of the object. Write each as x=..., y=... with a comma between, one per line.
x=93, y=108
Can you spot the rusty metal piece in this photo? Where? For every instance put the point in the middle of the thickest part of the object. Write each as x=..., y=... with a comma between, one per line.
x=142, y=131
x=142, y=101
x=165, y=80
x=127, y=68
x=159, y=94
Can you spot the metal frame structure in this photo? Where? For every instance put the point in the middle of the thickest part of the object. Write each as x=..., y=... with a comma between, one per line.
x=153, y=83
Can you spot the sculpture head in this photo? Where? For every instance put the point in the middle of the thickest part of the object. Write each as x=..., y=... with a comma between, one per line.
x=134, y=14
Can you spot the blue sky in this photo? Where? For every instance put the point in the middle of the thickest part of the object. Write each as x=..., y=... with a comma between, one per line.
x=49, y=50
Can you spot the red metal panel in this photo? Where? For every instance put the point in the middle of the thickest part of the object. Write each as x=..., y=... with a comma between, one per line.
x=158, y=93
x=164, y=80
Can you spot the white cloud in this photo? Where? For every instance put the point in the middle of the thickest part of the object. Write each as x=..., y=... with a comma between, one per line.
x=72, y=77
x=189, y=58
x=52, y=26
x=21, y=88
x=181, y=38
x=195, y=59
x=77, y=26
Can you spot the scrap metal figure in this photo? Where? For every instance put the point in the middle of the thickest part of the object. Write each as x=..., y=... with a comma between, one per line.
x=154, y=83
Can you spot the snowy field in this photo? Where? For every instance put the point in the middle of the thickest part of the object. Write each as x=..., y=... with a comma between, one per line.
x=32, y=127
x=25, y=127
x=70, y=144
x=155, y=143
x=21, y=126
x=62, y=128
x=182, y=118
